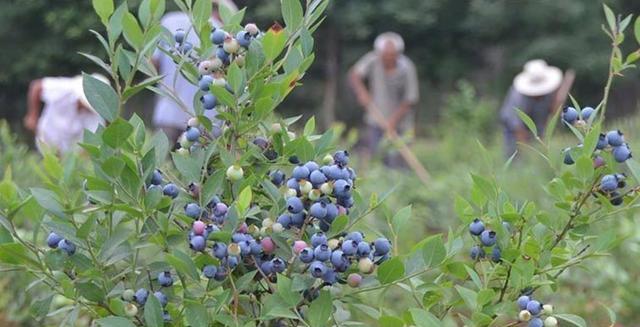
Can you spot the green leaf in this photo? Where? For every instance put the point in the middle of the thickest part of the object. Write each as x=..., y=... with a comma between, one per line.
x=183, y=264
x=48, y=200
x=273, y=43
x=390, y=270
x=309, y=127
x=117, y=133
x=153, y=312
x=223, y=96
x=634, y=167
x=292, y=14
x=91, y=291
x=527, y=121
x=338, y=225
x=468, y=296
x=611, y=19
x=196, y=314
x=433, y=251
x=300, y=147
x=584, y=167
x=572, y=319
x=390, y=321
x=16, y=254
x=423, y=318
x=201, y=13
x=244, y=200
x=401, y=218
x=113, y=321
x=285, y=291
x=132, y=31
x=236, y=79
x=636, y=29
x=104, y=9
x=101, y=96
x=320, y=310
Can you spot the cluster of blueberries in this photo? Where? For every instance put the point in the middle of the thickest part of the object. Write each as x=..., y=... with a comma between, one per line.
x=571, y=116
x=488, y=238
x=55, y=241
x=533, y=312
x=312, y=190
x=165, y=279
x=609, y=184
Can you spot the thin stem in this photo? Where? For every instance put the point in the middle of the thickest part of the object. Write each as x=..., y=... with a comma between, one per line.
x=373, y=288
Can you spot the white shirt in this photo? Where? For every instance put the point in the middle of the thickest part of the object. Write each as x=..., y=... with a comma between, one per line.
x=62, y=122
x=167, y=113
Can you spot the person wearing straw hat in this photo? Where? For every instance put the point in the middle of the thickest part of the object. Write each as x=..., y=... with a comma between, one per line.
x=534, y=92
x=391, y=93
x=65, y=115
x=168, y=116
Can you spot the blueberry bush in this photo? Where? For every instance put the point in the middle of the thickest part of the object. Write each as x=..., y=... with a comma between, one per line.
x=252, y=224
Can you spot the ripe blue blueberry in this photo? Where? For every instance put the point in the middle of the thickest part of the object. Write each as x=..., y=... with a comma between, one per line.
x=476, y=227
x=586, y=113
x=185, y=47
x=363, y=249
x=616, y=199
x=217, y=36
x=161, y=298
x=318, y=238
x=621, y=153
x=318, y=210
x=294, y=205
x=346, y=202
x=382, y=246
x=208, y=101
x=53, y=239
x=197, y=243
x=284, y=220
x=255, y=246
x=317, y=177
x=337, y=258
x=523, y=301
x=221, y=274
x=192, y=210
x=568, y=160
x=166, y=316
x=266, y=267
x=322, y=252
x=602, y=141
x=355, y=236
x=277, y=177
x=332, y=172
x=476, y=252
x=141, y=296
x=312, y=166
x=209, y=271
x=342, y=188
x=219, y=250
x=243, y=38
x=292, y=183
x=306, y=255
x=165, y=279
x=488, y=238
x=245, y=248
x=67, y=246
x=230, y=261
x=608, y=183
x=534, y=307
x=179, y=35
x=300, y=172
x=278, y=265
x=205, y=83
x=317, y=269
x=621, y=180
x=222, y=55
x=171, y=190
x=569, y=115
x=192, y=134
x=535, y=322
x=156, y=178
x=496, y=254
x=332, y=212
x=615, y=138
x=341, y=158
x=330, y=277
x=349, y=247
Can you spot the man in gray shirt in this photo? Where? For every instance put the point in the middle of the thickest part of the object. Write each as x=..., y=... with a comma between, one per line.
x=534, y=92
x=392, y=89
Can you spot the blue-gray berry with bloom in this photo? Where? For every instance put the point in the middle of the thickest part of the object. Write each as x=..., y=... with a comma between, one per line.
x=67, y=246
x=171, y=190
x=569, y=115
x=192, y=210
x=294, y=205
x=318, y=238
x=53, y=239
x=381, y=246
x=317, y=269
x=523, y=301
x=488, y=238
x=476, y=227
x=141, y=296
x=621, y=153
x=209, y=271
x=586, y=113
x=165, y=279
x=322, y=252
x=534, y=307
x=476, y=252
x=615, y=138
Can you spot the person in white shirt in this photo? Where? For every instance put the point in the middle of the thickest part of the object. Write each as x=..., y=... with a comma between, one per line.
x=65, y=115
x=168, y=116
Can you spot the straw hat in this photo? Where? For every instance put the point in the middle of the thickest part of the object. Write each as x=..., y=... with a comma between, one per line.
x=227, y=3
x=537, y=78
x=78, y=89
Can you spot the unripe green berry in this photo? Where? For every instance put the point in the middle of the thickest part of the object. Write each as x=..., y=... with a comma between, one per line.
x=326, y=188
x=333, y=243
x=128, y=294
x=277, y=227
x=314, y=195
x=267, y=222
x=328, y=159
x=234, y=249
x=524, y=315
x=291, y=193
x=305, y=186
x=547, y=309
x=235, y=173
x=365, y=265
x=130, y=310
x=550, y=322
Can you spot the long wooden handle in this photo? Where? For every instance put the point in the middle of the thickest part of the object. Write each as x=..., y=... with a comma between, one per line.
x=405, y=151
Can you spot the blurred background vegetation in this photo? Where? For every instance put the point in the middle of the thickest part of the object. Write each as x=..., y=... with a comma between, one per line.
x=466, y=51
x=484, y=42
